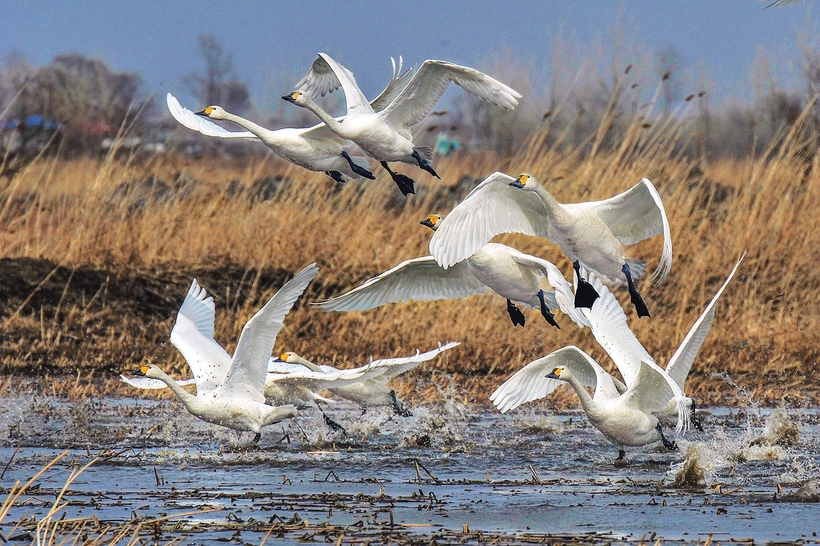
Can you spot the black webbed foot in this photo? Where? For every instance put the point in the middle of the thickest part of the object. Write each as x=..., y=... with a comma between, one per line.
x=585, y=293
x=425, y=165
x=398, y=407
x=636, y=298
x=546, y=313
x=621, y=455
x=517, y=317
x=361, y=171
x=667, y=443
x=405, y=183
x=336, y=175
x=334, y=426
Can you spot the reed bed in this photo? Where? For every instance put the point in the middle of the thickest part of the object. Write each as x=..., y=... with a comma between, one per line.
x=107, y=249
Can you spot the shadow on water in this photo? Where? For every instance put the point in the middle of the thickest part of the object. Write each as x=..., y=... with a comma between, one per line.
x=450, y=473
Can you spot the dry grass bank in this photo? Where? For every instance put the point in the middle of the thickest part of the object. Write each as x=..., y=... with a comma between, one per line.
x=128, y=236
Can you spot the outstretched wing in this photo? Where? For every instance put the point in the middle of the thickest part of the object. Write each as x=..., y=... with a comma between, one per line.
x=430, y=82
x=651, y=391
x=394, y=367
x=249, y=366
x=531, y=382
x=418, y=279
x=493, y=207
x=681, y=362
x=397, y=82
x=193, y=336
x=635, y=215
x=201, y=125
x=148, y=383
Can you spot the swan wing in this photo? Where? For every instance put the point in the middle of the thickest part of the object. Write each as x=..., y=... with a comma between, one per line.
x=393, y=367
x=651, y=391
x=148, y=383
x=397, y=82
x=201, y=125
x=429, y=83
x=246, y=377
x=357, y=104
x=193, y=336
x=609, y=326
x=493, y=207
x=531, y=382
x=681, y=362
x=420, y=279
x=635, y=215
x=318, y=381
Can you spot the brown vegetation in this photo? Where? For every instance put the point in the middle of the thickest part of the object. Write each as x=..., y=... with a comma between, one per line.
x=96, y=257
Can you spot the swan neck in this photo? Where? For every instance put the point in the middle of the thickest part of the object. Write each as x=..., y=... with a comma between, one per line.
x=327, y=119
x=184, y=396
x=554, y=208
x=590, y=406
x=262, y=132
x=307, y=364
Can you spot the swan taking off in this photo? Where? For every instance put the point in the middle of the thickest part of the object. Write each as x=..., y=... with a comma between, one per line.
x=231, y=391
x=373, y=391
x=624, y=419
x=591, y=234
x=387, y=135
x=314, y=148
x=506, y=271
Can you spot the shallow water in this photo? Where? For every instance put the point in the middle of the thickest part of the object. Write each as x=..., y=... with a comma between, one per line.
x=450, y=472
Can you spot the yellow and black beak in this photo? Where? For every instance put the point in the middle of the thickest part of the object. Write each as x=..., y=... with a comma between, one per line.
x=141, y=371
x=428, y=222
x=556, y=373
x=520, y=181
x=206, y=113
x=291, y=97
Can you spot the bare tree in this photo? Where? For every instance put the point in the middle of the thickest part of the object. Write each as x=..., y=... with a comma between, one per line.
x=219, y=84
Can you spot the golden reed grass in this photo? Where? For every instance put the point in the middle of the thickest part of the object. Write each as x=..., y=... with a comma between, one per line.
x=765, y=337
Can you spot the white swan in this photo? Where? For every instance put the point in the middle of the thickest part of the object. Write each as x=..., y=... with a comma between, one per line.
x=386, y=135
x=230, y=391
x=509, y=273
x=624, y=419
x=590, y=234
x=314, y=148
x=373, y=391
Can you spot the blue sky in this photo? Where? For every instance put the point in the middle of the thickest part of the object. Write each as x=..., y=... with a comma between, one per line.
x=274, y=42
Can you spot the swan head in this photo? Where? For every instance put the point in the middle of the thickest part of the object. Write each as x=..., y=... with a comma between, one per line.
x=289, y=357
x=299, y=98
x=560, y=372
x=149, y=370
x=213, y=112
x=432, y=221
x=525, y=181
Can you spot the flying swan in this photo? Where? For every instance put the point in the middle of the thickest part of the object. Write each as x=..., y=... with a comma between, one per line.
x=591, y=234
x=314, y=148
x=386, y=135
x=230, y=391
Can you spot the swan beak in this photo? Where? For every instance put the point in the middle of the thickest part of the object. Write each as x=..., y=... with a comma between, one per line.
x=141, y=371
x=292, y=97
x=206, y=113
x=518, y=183
x=427, y=222
x=554, y=374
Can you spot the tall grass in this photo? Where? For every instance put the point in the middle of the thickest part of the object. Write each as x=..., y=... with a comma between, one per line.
x=178, y=217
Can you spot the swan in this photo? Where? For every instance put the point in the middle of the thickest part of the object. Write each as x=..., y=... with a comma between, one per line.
x=386, y=135
x=372, y=391
x=314, y=148
x=590, y=234
x=230, y=391
x=625, y=419
x=506, y=271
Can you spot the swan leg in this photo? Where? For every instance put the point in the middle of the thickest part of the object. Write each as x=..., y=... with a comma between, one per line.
x=667, y=443
x=399, y=407
x=336, y=175
x=621, y=455
x=517, y=317
x=257, y=437
x=425, y=165
x=361, y=171
x=546, y=313
x=637, y=300
x=695, y=421
x=405, y=183
x=334, y=426
x=585, y=294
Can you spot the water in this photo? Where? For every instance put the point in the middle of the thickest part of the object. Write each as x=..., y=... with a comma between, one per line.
x=450, y=472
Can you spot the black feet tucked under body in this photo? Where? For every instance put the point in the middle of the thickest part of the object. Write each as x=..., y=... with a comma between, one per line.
x=517, y=317
x=637, y=300
x=399, y=407
x=336, y=175
x=546, y=313
x=361, y=171
x=667, y=443
x=334, y=426
x=425, y=165
x=585, y=294
x=405, y=183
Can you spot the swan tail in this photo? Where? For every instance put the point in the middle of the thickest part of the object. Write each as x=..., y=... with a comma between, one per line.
x=425, y=152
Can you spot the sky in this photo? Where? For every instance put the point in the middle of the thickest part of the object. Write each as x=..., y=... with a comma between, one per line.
x=273, y=43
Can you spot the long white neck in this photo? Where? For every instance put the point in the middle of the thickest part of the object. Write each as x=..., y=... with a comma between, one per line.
x=332, y=123
x=591, y=407
x=191, y=402
x=555, y=210
x=296, y=359
x=266, y=135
